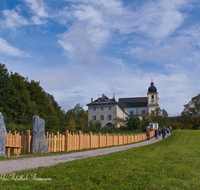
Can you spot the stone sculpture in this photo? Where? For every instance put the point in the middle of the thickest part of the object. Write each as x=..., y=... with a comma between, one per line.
x=38, y=138
x=2, y=136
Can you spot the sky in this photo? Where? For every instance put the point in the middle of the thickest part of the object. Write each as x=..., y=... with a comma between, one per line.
x=81, y=49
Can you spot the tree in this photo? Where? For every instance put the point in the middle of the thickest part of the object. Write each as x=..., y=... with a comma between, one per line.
x=92, y=126
x=79, y=116
x=133, y=123
x=191, y=113
x=97, y=125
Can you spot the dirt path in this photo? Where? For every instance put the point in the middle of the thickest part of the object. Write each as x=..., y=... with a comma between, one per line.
x=11, y=166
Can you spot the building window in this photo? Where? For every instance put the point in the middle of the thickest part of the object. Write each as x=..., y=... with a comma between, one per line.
x=101, y=107
x=109, y=117
x=152, y=97
x=105, y=99
x=131, y=112
x=94, y=118
x=143, y=112
x=109, y=107
x=101, y=118
x=94, y=108
x=99, y=100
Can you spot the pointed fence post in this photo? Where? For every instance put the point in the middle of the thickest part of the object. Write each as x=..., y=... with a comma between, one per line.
x=67, y=140
x=28, y=141
x=52, y=139
x=90, y=139
x=99, y=139
x=106, y=139
x=47, y=136
x=79, y=140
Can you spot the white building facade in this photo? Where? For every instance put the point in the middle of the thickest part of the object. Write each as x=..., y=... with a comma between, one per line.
x=105, y=110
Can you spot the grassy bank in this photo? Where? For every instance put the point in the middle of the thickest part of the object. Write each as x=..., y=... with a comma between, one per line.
x=173, y=163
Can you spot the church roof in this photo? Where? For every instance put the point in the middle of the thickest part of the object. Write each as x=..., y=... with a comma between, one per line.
x=103, y=100
x=152, y=88
x=133, y=102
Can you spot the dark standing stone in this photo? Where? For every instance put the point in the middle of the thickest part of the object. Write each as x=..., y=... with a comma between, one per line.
x=2, y=136
x=38, y=138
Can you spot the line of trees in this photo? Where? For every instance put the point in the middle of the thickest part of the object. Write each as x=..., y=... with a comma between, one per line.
x=21, y=99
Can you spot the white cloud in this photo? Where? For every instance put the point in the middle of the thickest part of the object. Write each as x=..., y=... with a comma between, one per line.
x=98, y=21
x=38, y=7
x=77, y=44
x=174, y=48
x=7, y=49
x=62, y=16
x=194, y=31
x=12, y=19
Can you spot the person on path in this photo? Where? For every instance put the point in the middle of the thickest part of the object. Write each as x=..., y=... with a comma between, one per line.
x=148, y=134
x=170, y=128
x=159, y=131
x=167, y=131
x=156, y=134
x=163, y=132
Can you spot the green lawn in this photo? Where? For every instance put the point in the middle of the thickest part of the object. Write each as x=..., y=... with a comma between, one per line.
x=173, y=163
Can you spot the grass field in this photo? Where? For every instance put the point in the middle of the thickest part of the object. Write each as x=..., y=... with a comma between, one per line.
x=173, y=163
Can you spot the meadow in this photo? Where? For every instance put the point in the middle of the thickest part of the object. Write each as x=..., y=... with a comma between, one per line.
x=173, y=163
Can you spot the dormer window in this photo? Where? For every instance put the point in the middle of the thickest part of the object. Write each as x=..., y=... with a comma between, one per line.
x=99, y=100
x=106, y=99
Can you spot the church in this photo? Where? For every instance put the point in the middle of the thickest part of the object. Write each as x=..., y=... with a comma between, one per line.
x=105, y=109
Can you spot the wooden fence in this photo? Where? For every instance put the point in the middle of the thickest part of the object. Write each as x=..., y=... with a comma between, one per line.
x=73, y=141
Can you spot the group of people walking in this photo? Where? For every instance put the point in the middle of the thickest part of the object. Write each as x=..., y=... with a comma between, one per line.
x=160, y=131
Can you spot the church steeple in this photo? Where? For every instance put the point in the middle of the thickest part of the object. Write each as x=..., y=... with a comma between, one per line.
x=152, y=97
x=152, y=88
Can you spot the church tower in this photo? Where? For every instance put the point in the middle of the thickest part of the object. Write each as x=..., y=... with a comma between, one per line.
x=152, y=98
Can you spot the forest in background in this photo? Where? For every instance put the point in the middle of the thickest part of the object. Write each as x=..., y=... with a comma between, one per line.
x=21, y=99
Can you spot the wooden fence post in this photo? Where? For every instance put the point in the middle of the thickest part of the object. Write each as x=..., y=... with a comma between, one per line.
x=66, y=140
x=123, y=138
x=47, y=135
x=99, y=139
x=57, y=142
x=118, y=138
x=106, y=139
x=52, y=144
x=79, y=140
x=28, y=141
x=113, y=139
x=90, y=139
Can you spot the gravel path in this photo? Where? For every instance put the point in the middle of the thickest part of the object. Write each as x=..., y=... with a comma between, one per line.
x=11, y=166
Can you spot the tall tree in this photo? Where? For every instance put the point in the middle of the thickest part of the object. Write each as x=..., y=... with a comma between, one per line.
x=191, y=113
